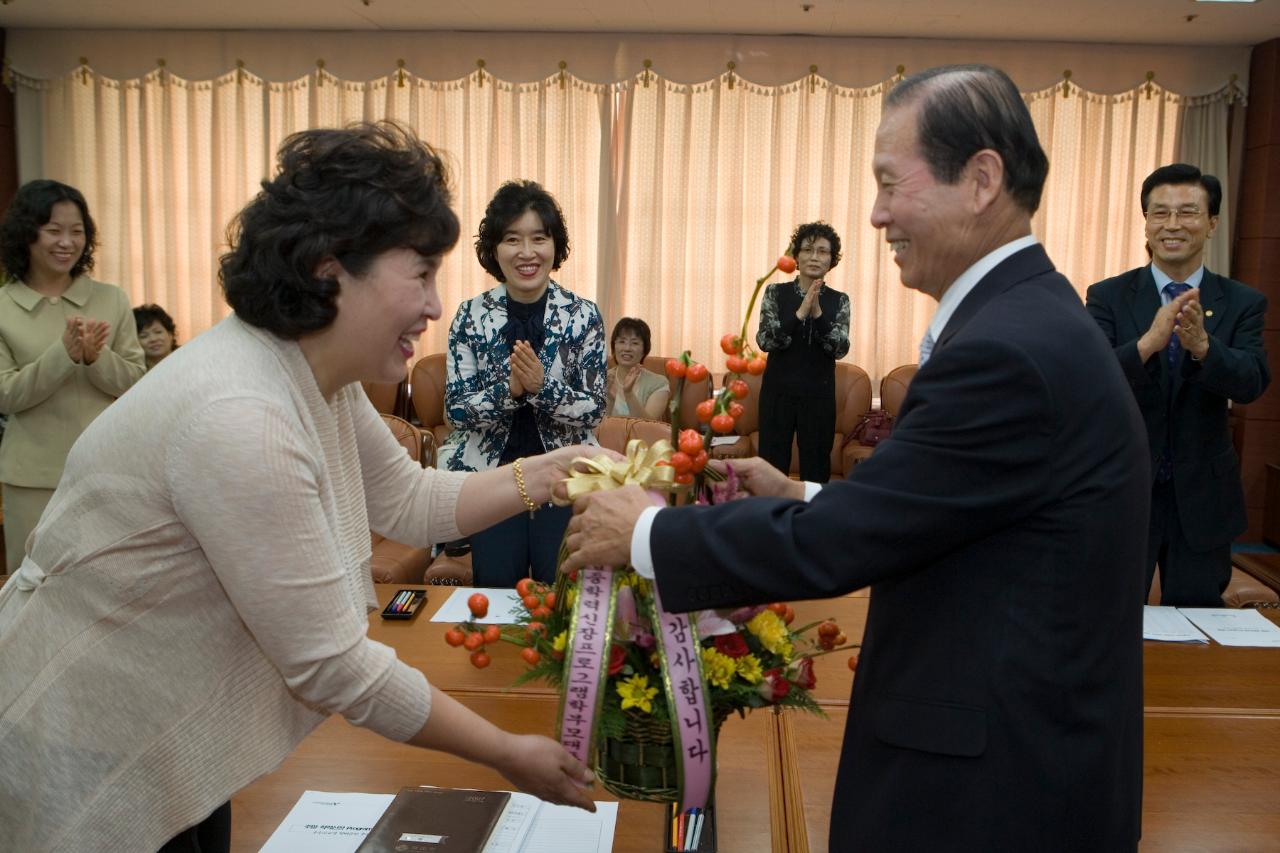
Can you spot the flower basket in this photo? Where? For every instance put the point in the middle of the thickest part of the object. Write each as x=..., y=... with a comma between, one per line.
x=640, y=763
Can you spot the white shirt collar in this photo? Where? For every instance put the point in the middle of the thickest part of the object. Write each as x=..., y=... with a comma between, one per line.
x=969, y=279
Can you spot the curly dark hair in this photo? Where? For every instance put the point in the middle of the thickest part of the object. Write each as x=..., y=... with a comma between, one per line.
x=637, y=327
x=145, y=315
x=30, y=210
x=349, y=194
x=814, y=231
x=507, y=205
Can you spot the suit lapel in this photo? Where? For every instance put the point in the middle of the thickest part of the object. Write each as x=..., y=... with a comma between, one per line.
x=1018, y=267
x=1212, y=302
x=1144, y=299
x=1213, y=298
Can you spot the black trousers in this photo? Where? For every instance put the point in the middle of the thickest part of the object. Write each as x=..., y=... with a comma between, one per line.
x=501, y=555
x=211, y=835
x=1188, y=578
x=811, y=420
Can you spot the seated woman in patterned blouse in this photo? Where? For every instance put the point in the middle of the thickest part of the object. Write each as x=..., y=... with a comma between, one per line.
x=634, y=390
x=525, y=374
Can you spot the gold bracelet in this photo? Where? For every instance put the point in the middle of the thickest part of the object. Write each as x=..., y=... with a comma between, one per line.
x=524, y=495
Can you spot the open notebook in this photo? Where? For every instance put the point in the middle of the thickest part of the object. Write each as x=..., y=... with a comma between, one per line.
x=326, y=822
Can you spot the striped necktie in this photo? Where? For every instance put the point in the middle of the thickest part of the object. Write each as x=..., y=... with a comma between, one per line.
x=1173, y=351
x=926, y=347
x=1173, y=355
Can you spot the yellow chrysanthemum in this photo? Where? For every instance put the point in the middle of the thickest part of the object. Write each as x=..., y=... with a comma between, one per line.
x=571, y=596
x=636, y=693
x=560, y=641
x=717, y=668
x=772, y=633
x=749, y=669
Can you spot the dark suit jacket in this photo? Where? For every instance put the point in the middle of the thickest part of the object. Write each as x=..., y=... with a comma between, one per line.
x=1206, y=472
x=998, y=700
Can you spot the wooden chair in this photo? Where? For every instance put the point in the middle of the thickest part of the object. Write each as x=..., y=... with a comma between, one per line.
x=426, y=389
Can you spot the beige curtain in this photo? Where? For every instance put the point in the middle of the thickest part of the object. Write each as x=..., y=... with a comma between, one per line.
x=718, y=175
x=166, y=163
x=677, y=196
x=1204, y=143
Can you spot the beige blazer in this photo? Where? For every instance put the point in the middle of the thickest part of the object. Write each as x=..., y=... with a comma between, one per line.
x=49, y=398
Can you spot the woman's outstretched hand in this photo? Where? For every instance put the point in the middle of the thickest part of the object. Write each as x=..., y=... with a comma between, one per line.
x=540, y=766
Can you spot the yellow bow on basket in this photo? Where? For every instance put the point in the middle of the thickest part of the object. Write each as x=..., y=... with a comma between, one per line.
x=645, y=465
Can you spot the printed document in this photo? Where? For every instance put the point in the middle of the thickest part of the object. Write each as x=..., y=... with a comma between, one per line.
x=1169, y=626
x=1232, y=627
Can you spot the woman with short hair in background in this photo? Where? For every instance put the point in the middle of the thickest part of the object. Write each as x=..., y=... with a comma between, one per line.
x=804, y=326
x=634, y=390
x=68, y=347
x=525, y=374
x=156, y=333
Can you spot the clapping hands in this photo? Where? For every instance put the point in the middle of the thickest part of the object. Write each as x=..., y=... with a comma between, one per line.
x=809, y=306
x=526, y=370
x=84, y=338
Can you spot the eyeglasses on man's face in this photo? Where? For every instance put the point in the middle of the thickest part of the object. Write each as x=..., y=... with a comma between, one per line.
x=1162, y=215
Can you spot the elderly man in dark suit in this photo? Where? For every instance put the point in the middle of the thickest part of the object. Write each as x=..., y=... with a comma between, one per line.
x=998, y=702
x=1189, y=341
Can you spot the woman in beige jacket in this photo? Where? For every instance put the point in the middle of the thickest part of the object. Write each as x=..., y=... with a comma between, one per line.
x=196, y=597
x=68, y=347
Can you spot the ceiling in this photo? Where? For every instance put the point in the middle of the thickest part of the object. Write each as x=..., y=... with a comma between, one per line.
x=1173, y=22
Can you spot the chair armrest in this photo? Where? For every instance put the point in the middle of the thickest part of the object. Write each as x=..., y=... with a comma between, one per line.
x=1244, y=590
x=449, y=571
x=428, y=448
x=740, y=449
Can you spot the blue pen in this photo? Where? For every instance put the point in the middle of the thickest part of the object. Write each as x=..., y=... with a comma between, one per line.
x=688, y=833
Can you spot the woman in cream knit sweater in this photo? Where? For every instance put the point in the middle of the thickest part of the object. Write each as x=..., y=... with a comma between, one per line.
x=149, y=667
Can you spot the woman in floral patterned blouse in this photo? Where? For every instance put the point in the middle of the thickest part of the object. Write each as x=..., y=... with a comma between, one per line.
x=525, y=374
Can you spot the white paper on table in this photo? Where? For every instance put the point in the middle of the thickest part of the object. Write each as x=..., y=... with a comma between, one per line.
x=717, y=440
x=1167, y=625
x=505, y=607
x=565, y=829
x=513, y=827
x=325, y=822
x=1232, y=627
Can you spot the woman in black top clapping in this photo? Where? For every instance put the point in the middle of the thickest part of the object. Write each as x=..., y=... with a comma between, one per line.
x=804, y=326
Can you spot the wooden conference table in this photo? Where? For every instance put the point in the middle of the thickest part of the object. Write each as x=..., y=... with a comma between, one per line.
x=1212, y=758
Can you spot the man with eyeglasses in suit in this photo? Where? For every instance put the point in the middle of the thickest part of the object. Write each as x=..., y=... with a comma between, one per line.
x=1190, y=343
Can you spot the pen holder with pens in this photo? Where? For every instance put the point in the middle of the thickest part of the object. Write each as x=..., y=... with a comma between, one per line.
x=690, y=832
x=404, y=604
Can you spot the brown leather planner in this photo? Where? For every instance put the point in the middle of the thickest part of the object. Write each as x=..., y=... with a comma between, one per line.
x=436, y=820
